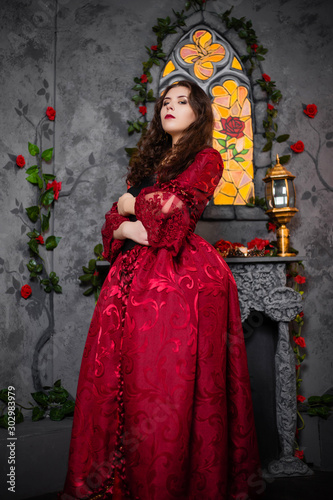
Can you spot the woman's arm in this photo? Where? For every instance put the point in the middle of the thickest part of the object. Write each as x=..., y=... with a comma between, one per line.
x=133, y=230
x=126, y=205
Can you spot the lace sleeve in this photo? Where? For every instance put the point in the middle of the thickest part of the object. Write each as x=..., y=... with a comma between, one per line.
x=170, y=211
x=111, y=246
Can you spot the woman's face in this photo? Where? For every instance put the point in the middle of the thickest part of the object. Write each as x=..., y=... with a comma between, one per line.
x=176, y=112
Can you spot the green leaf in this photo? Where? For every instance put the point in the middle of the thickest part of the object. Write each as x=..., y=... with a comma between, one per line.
x=52, y=242
x=45, y=282
x=47, y=154
x=86, y=277
x=92, y=264
x=37, y=414
x=88, y=292
x=327, y=399
x=33, y=213
x=46, y=221
x=41, y=398
x=32, y=264
x=314, y=400
x=268, y=146
x=284, y=159
x=32, y=169
x=322, y=411
x=33, y=149
x=282, y=138
x=57, y=289
x=4, y=421
x=35, y=179
x=57, y=414
x=222, y=142
x=58, y=395
x=4, y=395
x=131, y=151
x=98, y=249
x=57, y=383
x=39, y=268
x=68, y=407
x=33, y=245
x=238, y=159
x=48, y=289
x=18, y=416
x=49, y=177
x=47, y=197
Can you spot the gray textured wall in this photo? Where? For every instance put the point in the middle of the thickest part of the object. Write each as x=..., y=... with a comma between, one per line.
x=89, y=68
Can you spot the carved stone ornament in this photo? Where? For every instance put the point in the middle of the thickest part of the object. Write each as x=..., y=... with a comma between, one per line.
x=262, y=287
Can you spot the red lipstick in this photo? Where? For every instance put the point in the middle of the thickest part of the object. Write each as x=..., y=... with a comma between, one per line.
x=168, y=116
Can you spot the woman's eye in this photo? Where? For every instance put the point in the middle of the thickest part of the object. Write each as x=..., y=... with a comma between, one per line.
x=182, y=102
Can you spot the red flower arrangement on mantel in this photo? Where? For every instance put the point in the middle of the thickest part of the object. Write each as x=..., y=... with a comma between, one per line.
x=254, y=248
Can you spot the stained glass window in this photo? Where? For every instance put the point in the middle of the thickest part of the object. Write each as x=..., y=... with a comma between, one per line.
x=204, y=56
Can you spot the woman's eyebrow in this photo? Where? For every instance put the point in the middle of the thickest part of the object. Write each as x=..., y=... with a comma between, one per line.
x=176, y=97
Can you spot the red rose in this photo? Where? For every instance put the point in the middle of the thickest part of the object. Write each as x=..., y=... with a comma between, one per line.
x=300, y=279
x=223, y=245
x=271, y=227
x=153, y=47
x=143, y=110
x=311, y=110
x=298, y=147
x=266, y=77
x=143, y=78
x=299, y=341
x=40, y=239
x=297, y=367
x=299, y=454
x=96, y=273
x=233, y=126
x=50, y=113
x=26, y=291
x=236, y=245
x=56, y=188
x=257, y=242
x=300, y=398
x=20, y=161
x=254, y=47
x=270, y=107
x=301, y=314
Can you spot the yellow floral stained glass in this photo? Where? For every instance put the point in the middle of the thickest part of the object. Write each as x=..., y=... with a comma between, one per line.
x=233, y=138
x=202, y=53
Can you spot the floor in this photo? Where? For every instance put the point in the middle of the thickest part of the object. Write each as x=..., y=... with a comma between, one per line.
x=318, y=486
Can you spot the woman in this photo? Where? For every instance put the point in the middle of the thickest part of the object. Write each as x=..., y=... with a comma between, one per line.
x=163, y=407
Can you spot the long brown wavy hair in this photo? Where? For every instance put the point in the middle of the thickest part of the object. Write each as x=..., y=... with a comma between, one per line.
x=155, y=154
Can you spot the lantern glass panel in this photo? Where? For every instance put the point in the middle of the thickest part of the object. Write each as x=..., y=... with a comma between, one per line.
x=292, y=194
x=268, y=195
x=280, y=193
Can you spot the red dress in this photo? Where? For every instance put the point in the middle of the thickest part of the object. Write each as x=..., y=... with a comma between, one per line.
x=163, y=399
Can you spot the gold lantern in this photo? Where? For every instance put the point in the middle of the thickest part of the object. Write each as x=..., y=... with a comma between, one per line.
x=280, y=199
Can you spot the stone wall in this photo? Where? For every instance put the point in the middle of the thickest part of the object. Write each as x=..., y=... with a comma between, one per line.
x=81, y=58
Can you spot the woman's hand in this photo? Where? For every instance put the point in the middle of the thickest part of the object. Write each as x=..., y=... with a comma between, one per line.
x=133, y=230
x=126, y=204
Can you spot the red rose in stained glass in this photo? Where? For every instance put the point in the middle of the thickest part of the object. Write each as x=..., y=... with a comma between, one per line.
x=233, y=126
x=299, y=341
x=20, y=161
x=311, y=110
x=143, y=110
x=50, y=113
x=267, y=78
x=300, y=398
x=40, y=239
x=300, y=279
x=56, y=188
x=298, y=147
x=143, y=78
x=26, y=291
